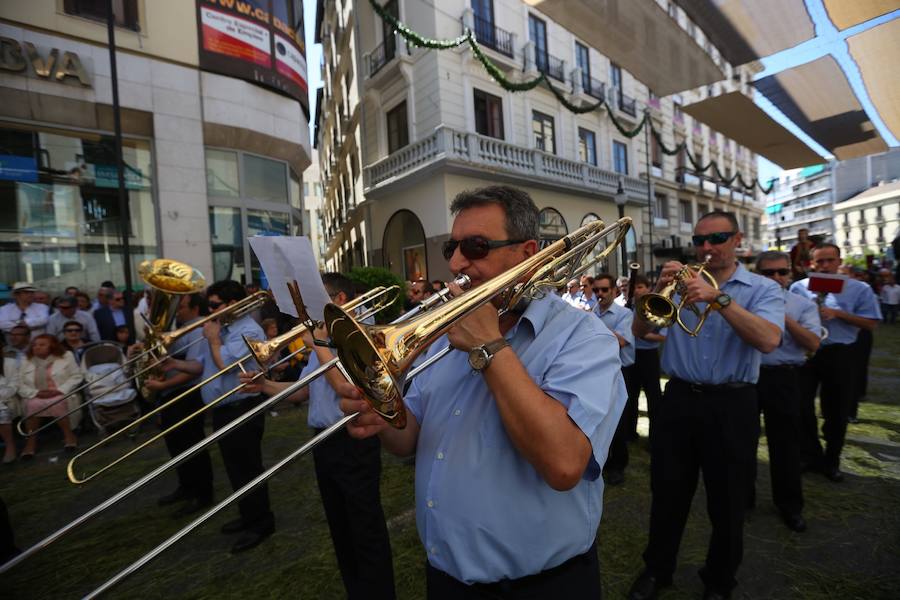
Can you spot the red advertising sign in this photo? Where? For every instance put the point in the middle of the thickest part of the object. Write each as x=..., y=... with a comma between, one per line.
x=257, y=40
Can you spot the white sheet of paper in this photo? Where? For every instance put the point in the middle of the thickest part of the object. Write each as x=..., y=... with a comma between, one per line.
x=284, y=259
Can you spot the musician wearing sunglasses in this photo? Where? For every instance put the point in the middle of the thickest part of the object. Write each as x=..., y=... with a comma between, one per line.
x=834, y=366
x=779, y=391
x=510, y=430
x=618, y=319
x=709, y=417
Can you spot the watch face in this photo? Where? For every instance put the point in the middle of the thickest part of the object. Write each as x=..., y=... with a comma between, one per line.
x=723, y=300
x=478, y=358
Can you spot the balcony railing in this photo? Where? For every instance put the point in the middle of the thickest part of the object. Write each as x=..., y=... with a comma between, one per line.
x=596, y=89
x=382, y=55
x=480, y=152
x=550, y=66
x=627, y=104
x=491, y=36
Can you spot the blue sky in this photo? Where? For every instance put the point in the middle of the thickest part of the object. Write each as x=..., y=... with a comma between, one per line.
x=828, y=40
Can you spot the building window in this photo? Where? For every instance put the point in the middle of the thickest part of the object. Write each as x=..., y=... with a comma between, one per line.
x=583, y=61
x=403, y=246
x=488, y=114
x=587, y=146
x=222, y=173
x=661, y=207
x=125, y=10
x=702, y=210
x=552, y=226
x=745, y=223
x=60, y=223
x=398, y=133
x=756, y=231
x=620, y=158
x=537, y=33
x=687, y=214
x=656, y=152
x=265, y=179
x=542, y=126
x=387, y=31
x=615, y=76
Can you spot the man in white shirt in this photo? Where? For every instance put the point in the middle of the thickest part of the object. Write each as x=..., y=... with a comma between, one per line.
x=24, y=310
x=890, y=299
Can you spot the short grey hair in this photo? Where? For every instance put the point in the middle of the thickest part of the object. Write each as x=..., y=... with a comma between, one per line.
x=522, y=214
x=723, y=214
x=772, y=255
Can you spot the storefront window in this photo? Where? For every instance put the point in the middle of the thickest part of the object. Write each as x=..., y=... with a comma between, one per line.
x=227, y=243
x=222, y=173
x=265, y=179
x=60, y=221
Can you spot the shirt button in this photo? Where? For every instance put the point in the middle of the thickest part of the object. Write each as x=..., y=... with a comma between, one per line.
x=440, y=456
x=430, y=503
x=457, y=412
x=433, y=550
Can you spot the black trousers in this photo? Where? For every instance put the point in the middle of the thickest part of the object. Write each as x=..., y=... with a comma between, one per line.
x=833, y=370
x=578, y=577
x=716, y=431
x=617, y=459
x=195, y=475
x=862, y=352
x=349, y=474
x=778, y=390
x=242, y=454
x=646, y=366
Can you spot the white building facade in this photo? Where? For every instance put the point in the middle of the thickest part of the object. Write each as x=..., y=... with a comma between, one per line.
x=868, y=223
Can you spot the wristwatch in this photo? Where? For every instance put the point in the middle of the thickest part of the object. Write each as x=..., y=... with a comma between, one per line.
x=481, y=356
x=721, y=301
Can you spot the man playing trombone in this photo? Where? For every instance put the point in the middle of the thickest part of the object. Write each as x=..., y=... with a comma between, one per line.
x=348, y=470
x=708, y=419
x=509, y=431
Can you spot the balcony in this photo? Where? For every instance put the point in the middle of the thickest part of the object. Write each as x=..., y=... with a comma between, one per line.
x=491, y=36
x=486, y=157
x=626, y=104
x=381, y=55
x=550, y=66
x=596, y=89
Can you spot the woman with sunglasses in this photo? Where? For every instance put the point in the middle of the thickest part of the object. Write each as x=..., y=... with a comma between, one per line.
x=73, y=339
x=709, y=415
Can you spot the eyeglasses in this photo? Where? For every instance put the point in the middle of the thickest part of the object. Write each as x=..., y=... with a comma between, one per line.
x=597, y=290
x=73, y=330
x=720, y=237
x=213, y=304
x=475, y=247
x=771, y=272
x=119, y=299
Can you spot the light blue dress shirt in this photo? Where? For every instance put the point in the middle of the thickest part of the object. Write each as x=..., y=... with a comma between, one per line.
x=618, y=319
x=184, y=348
x=324, y=403
x=856, y=298
x=642, y=344
x=717, y=355
x=233, y=348
x=483, y=512
x=806, y=313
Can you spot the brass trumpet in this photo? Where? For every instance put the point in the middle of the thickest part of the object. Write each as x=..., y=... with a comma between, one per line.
x=658, y=308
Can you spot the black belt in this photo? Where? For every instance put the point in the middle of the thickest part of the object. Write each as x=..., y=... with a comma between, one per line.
x=780, y=367
x=705, y=388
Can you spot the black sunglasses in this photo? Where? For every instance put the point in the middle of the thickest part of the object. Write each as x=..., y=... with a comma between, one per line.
x=73, y=330
x=770, y=272
x=475, y=247
x=214, y=305
x=597, y=290
x=720, y=237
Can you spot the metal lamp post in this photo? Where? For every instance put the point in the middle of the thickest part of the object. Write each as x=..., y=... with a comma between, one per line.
x=621, y=198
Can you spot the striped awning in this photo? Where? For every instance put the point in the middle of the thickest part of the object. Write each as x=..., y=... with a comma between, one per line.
x=745, y=30
x=876, y=53
x=847, y=13
x=736, y=116
x=817, y=97
x=640, y=37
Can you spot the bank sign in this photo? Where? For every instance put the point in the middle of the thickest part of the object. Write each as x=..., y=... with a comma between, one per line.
x=256, y=40
x=53, y=64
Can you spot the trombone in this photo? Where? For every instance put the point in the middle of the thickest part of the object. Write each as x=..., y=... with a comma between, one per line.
x=202, y=444
x=262, y=352
x=375, y=357
x=159, y=351
x=658, y=308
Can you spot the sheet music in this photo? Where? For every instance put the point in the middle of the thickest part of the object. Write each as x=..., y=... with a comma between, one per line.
x=285, y=258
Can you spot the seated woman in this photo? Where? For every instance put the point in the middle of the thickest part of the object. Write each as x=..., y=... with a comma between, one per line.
x=7, y=400
x=47, y=375
x=73, y=339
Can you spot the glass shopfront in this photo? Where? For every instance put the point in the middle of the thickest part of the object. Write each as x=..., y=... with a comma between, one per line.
x=249, y=195
x=60, y=223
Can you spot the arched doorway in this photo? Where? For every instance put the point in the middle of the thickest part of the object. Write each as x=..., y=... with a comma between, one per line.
x=552, y=226
x=403, y=246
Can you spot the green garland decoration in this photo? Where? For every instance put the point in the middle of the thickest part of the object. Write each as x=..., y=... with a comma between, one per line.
x=468, y=37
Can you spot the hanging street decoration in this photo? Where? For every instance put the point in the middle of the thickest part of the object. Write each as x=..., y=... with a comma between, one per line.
x=468, y=37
